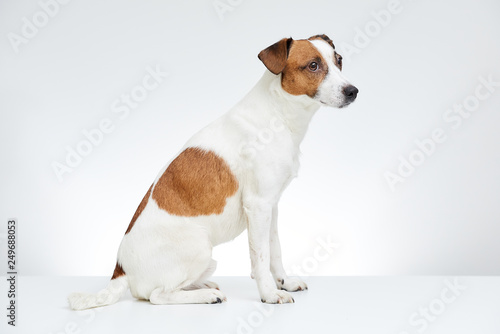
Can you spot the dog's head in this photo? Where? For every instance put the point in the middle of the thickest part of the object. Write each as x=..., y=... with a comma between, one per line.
x=310, y=67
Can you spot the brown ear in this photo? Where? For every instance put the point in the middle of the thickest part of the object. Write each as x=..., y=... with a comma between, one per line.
x=275, y=56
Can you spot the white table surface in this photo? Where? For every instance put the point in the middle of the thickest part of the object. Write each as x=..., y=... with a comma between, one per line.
x=388, y=305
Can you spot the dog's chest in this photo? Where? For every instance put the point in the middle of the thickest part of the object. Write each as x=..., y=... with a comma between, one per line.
x=277, y=168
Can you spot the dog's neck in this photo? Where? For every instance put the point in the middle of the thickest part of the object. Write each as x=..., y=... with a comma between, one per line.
x=268, y=104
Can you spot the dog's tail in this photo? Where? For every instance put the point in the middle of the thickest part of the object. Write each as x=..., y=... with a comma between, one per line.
x=110, y=295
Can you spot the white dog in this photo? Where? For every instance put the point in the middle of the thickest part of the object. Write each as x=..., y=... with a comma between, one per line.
x=220, y=184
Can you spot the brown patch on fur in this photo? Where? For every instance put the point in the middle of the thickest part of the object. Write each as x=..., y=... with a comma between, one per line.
x=274, y=57
x=138, y=212
x=195, y=183
x=297, y=78
x=118, y=271
x=323, y=37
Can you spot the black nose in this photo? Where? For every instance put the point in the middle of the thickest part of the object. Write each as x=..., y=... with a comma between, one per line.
x=350, y=93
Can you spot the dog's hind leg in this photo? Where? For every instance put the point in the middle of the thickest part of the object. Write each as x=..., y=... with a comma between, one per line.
x=202, y=282
x=181, y=258
x=198, y=292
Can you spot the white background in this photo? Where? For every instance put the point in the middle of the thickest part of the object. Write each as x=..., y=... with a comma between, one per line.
x=444, y=219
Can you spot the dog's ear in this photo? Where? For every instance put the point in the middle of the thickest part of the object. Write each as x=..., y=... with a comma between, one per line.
x=275, y=56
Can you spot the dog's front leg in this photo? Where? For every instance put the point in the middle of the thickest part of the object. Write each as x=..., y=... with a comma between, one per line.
x=281, y=278
x=259, y=228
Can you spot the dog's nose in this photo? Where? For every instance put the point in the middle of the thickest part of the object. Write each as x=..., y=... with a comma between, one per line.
x=350, y=93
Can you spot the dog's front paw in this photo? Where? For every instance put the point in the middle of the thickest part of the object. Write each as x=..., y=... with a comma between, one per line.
x=291, y=284
x=277, y=297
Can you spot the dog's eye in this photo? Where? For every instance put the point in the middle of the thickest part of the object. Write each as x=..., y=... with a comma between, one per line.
x=313, y=66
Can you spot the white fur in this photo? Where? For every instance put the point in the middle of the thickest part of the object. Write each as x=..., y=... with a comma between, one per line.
x=110, y=295
x=166, y=256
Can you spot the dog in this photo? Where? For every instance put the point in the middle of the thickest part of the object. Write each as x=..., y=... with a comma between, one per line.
x=219, y=185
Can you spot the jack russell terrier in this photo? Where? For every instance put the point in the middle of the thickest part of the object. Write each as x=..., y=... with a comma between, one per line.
x=220, y=184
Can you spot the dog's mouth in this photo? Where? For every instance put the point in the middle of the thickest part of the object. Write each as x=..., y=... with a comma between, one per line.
x=343, y=105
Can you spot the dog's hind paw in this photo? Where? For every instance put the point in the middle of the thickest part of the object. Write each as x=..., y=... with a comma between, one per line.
x=202, y=285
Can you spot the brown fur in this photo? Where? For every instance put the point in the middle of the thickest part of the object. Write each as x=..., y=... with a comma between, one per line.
x=323, y=37
x=196, y=183
x=296, y=78
x=138, y=212
x=118, y=271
